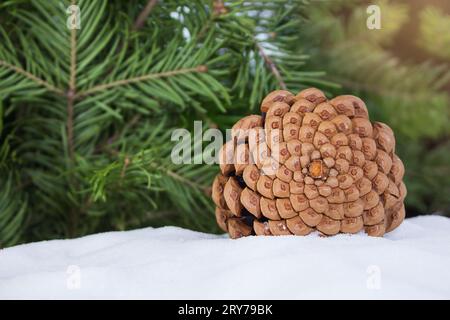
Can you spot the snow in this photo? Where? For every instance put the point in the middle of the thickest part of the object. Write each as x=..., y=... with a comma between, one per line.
x=172, y=263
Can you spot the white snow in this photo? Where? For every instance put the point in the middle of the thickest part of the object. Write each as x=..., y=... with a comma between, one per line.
x=172, y=263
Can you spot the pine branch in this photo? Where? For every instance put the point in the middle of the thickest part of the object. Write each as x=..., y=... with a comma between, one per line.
x=139, y=23
x=32, y=77
x=166, y=74
x=272, y=66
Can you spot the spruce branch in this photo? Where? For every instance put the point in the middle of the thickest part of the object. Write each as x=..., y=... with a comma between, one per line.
x=271, y=65
x=124, y=82
x=139, y=23
x=32, y=77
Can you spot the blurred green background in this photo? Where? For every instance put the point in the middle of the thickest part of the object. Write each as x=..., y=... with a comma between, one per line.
x=402, y=72
x=86, y=114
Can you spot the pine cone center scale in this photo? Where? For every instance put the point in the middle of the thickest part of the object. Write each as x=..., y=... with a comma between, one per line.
x=309, y=163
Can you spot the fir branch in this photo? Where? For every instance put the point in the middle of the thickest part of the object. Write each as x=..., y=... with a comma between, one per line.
x=124, y=82
x=32, y=77
x=139, y=23
x=272, y=66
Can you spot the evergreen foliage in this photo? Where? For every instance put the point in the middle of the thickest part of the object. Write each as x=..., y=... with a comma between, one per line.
x=86, y=115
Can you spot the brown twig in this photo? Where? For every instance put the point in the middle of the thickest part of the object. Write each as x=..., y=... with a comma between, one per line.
x=115, y=136
x=126, y=163
x=71, y=93
x=129, y=125
x=69, y=123
x=146, y=77
x=272, y=66
x=32, y=77
x=139, y=23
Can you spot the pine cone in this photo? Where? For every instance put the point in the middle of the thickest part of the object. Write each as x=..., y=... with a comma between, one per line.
x=309, y=164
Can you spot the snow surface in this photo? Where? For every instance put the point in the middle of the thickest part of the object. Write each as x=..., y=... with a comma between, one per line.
x=172, y=263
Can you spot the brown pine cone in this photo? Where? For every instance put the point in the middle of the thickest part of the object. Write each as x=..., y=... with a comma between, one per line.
x=309, y=164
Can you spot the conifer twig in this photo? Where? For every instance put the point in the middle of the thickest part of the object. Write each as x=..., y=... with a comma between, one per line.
x=126, y=163
x=139, y=23
x=72, y=88
x=32, y=77
x=182, y=179
x=170, y=173
x=129, y=160
x=272, y=66
x=71, y=93
x=130, y=124
x=218, y=9
x=188, y=182
x=101, y=87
